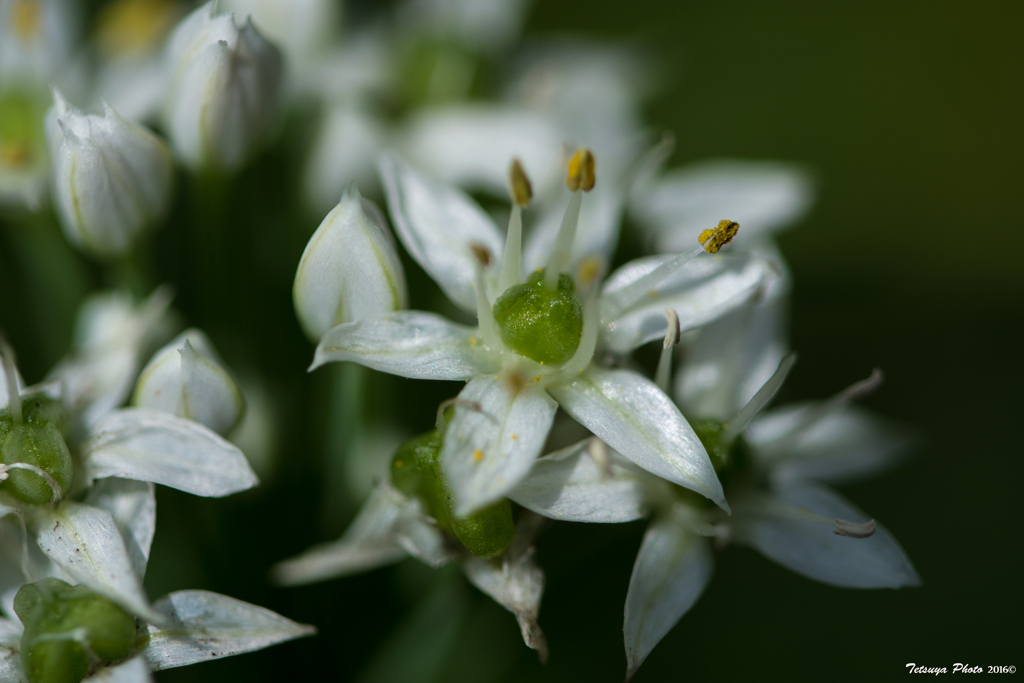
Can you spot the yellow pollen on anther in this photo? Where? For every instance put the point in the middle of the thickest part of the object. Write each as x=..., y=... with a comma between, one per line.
x=522, y=192
x=589, y=270
x=26, y=19
x=581, y=171
x=478, y=455
x=717, y=237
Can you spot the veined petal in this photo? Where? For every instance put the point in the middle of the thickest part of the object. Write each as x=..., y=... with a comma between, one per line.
x=132, y=505
x=85, y=542
x=568, y=485
x=633, y=416
x=487, y=451
x=132, y=671
x=204, y=626
x=437, y=224
x=813, y=550
x=847, y=444
x=368, y=543
x=411, y=344
x=671, y=571
x=149, y=445
x=760, y=196
x=701, y=291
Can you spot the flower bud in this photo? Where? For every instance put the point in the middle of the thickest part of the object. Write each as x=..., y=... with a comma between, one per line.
x=223, y=89
x=60, y=622
x=186, y=378
x=350, y=269
x=112, y=178
x=539, y=323
x=416, y=471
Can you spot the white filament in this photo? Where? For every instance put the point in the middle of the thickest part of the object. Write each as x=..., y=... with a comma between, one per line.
x=559, y=259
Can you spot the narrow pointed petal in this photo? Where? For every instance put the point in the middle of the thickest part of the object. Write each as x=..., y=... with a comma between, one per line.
x=85, y=542
x=517, y=584
x=148, y=445
x=132, y=505
x=132, y=671
x=568, y=485
x=408, y=344
x=204, y=626
x=420, y=536
x=700, y=292
x=761, y=196
x=671, y=571
x=488, y=451
x=633, y=416
x=437, y=224
x=848, y=444
x=814, y=550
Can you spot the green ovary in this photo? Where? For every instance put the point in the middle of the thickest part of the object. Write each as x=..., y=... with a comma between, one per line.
x=538, y=323
x=416, y=471
x=37, y=441
x=53, y=611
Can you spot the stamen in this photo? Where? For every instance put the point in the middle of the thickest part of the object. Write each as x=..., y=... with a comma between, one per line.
x=853, y=529
x=621, y=300
x=580, y=178
x=588, y=339
x=717, y=237
x=7, y=359
x=765, y=394
x=484, y=314
x=663, y=375
x=598, y=452
x=41, y=473
x=512, y=265
x=773, y=507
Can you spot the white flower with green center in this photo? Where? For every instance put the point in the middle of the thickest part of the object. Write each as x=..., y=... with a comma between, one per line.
x=536, y=340
x=770, y=464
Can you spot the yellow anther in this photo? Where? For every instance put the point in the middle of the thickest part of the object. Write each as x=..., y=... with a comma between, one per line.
x=478, y=455
x=26, y=19
x=481, y=253
x=589, y=270
x=581, y=171
x=522, y=192
x=717, y=237
x=126, y=26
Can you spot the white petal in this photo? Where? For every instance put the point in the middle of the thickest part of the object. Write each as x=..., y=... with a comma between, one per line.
x=421, y=537
x=472, y=145
x=132, y=505
x=568, y=485
x=205, y=626
x=671, y=571
x=410, y=344
x=597, y=234
x=349, y=270
x=437, y=224
x=10, y=666
x=845, y=445
x=487, y=451
x=368, y=543
x=148, y=445
x=87, y=545
x=517, y=584
x=703, y=290
x=762, y=197
x=815, y=551
x=132, y=671
x=633, y=416
x=10, y=632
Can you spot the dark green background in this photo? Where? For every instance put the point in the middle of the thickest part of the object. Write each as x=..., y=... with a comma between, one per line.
x=910, y=115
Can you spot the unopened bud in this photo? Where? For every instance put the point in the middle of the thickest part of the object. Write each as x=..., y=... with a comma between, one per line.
x=522, y=192
x=224, y=86
x=581, y=171
x=717, y=237
x=349, y=270
x=112, y=178
x=186, y=378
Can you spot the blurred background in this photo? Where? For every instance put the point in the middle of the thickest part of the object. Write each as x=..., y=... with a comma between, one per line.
x=909, y=116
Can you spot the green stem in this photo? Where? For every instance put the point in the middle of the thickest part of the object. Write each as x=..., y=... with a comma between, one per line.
x=345, y=419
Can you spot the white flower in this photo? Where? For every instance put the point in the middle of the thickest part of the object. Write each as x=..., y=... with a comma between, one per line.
x=112, y=179
x=223, y=88
x=24, y=161
x=37, y=37
x=349, y=270
x=487, y=451
x=303, y=28
x=187, y=379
